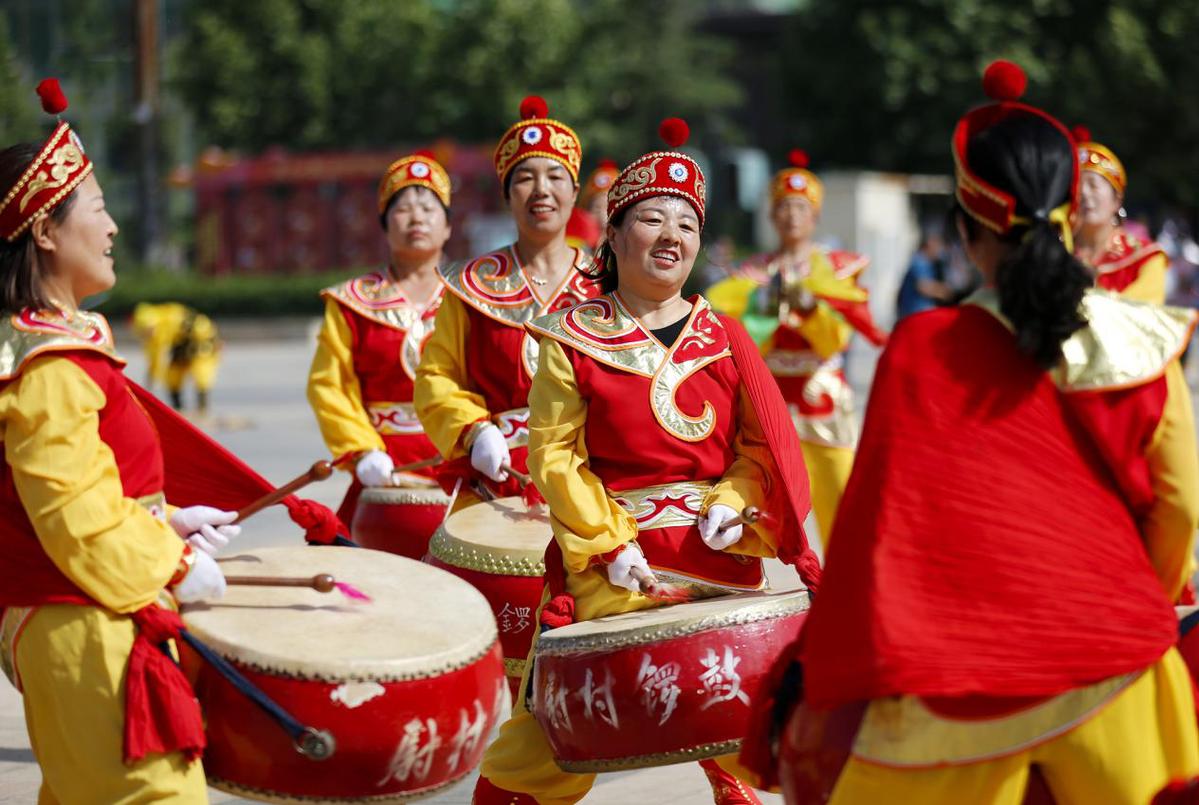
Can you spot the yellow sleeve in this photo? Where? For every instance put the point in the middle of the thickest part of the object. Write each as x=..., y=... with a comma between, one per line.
x=586, y=520
x=333, y=390
x=825, y=330
x=444, y=402
x=1169, y=527
x=744, y=482
x=68, y=482
x=1150, y=284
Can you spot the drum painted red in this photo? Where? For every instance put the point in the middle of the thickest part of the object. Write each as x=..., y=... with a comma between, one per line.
x=402, y=525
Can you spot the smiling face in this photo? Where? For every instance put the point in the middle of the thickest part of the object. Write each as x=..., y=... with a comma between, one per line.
x=1098, y=201
x=76, y=252
x=655, y=246
x=794, y=219
x=541, y=194
x=417, y=226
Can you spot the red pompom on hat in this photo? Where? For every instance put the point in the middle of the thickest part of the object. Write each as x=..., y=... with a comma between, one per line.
x=425, y=153
x=1004, y=81
x=534, y=106
x=798, y=158
x=674, y=131
x=1081, y=134
x=54, y=101
x=609, y=164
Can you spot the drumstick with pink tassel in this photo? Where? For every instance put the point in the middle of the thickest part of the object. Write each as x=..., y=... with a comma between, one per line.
x=321, y=582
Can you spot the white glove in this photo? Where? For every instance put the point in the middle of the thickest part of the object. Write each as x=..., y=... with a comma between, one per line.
x=205, y=528
x=204, y=582
x=375, y=468
x=620, y=571
x=709, y=527
x=490, y=452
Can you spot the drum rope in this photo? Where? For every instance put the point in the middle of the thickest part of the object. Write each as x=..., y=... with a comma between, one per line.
x=313, y=743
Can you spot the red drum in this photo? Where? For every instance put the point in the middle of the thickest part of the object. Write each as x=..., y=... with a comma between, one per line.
x=659, y=686
x=408, y=686
x=400, y=519
x=499, y=547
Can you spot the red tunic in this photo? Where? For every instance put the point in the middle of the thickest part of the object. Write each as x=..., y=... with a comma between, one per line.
x=1120, y=266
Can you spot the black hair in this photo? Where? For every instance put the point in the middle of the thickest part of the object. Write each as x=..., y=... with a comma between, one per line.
x=1040, y=283
x=603, y=266
x=20, y=268
x=383, y=216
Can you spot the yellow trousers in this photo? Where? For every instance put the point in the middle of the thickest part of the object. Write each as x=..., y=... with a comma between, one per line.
x=1123, y=755
x=520, y=759
x=202, y=369
x=828, y=473
x=72, y=662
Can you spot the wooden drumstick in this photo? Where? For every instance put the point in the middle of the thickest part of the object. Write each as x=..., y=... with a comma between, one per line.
x=419, y=465
x=522, y=478
x=321, y=582
x=317, y=472
x=653, y=588
x=749, y=515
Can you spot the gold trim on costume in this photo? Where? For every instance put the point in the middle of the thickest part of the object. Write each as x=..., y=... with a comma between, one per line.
x=375, y=297
x=25, y=335
x=514, y=426
x=665, y=505
x=698, y=752
x=1124, y=343
x=393, y=418
x=603, y=329
x=902, y=732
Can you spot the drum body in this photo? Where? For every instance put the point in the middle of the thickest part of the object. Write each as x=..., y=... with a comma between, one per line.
x=409, y=686
x=659, y=686
x=399, y=519
x=499, y=547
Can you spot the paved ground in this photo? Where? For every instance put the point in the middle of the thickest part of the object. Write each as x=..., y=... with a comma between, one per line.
x=261, y=414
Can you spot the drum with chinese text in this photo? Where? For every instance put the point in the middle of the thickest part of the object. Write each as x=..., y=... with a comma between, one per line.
x=659, y=686
x=499, y=547
x=405, y=688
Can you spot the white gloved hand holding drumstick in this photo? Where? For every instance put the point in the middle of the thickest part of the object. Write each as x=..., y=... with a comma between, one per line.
x=628, y=568
x=205, y=528
x=710, y=527
x=489, y=453
x=204, y=581
x=374, y=469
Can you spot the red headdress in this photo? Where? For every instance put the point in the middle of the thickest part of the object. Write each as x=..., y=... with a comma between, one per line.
x=538, y=135
x=991, y=206
x=599, y=181
x=1098, y=158
x=797, y=180
x=420, y=169
x=661, y=173
x=54, y=173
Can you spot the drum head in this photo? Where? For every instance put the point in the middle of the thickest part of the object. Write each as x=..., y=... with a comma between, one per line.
x=498, y=536
x=664, y=623
x=420, y=622
x=404, y=496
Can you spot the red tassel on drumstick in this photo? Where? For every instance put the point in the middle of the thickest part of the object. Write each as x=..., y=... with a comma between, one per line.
x=529, y=492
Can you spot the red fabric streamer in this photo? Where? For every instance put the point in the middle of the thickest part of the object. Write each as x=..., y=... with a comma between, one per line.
x=560, y=609
x=161, y=711
x=788, y=498
x=201, y=471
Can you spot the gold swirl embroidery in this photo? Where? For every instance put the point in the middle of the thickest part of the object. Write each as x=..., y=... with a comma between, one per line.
x=566, y=145
x=410, y=349
x=700, y=189
x=635, y=179
x=64, y=161
x=507, y=151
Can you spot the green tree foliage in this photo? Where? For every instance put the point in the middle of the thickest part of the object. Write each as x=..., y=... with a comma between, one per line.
x=347, y=73
x=18, y=107
x=880, y=84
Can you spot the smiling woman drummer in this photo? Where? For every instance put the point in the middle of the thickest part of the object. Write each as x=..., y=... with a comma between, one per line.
x=652, y=423
x=473, y=381
x=86, y=548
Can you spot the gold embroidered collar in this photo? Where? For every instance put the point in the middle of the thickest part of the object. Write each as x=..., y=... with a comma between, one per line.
x=496, y=285
x=1125, y=250
x=603, y=329
x=25, y=335
x=377, y=298
x=1124, y=343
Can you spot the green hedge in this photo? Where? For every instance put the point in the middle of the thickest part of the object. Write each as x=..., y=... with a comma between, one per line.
x=226, y=296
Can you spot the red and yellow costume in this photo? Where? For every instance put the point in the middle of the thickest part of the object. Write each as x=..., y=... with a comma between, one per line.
x=87, y=553
x=178, y=342
x=805, y=348
x=1133, y=268
x=966, y=627
x=362, y=378
x=479, y=363
x=632, y=440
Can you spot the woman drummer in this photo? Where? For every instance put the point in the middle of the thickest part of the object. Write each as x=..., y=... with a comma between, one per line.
x=87, y=553
x=361, y=381
x=1019, y=520
x=642, y=407
x=473, y=381
x=1122, y=262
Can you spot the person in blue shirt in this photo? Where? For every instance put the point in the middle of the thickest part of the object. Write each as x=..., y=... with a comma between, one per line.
x=924, y=286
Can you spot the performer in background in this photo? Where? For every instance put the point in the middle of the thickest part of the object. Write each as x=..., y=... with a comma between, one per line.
x=650, y=427
x=91, y=556
x=473, y=381
x=361, y=382
x=1024, y=454
x=178, y=343
x=1122, y=262
x=803, y=303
